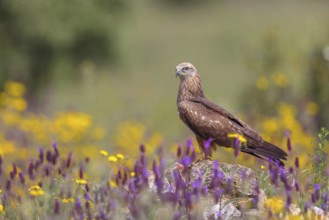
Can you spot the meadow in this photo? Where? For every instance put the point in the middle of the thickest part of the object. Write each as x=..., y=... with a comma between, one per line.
x=57, y=167
x=99, y=137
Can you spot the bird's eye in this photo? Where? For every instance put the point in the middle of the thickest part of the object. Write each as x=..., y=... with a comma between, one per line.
x=185, y=68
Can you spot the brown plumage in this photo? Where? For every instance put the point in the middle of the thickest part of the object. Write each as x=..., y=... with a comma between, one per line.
x=209, y=121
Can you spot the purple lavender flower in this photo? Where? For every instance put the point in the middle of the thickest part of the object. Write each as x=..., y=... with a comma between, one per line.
x=179, y=151
x=30, y=170
x=297, y=186
x=81, y=172
x=56, y=207
x=68, y=161
x=217, y=194
x=288, y=140
x=178, y=215
x=21, y=177
x=297, y=162
x=189, y=142
x=12, y=175
x=125, y=178
x=185, y=161
x=197, y=183
x=188, y=149
x=41, y=154
x=291, y=170
x=8, y=185
x=55, y=149
x=324, y=204
x=78, y=209
x=207, y=145
x=14, y=168
x=313, y=199
x=142, y=148
x=49, y=156
x=317, y=188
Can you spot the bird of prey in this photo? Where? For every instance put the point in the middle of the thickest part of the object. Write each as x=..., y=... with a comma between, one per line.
x=210, y=122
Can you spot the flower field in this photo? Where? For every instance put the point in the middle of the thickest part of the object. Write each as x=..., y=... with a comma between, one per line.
x=63, y=167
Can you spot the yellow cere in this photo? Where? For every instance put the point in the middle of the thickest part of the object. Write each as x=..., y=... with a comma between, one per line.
x=238, y=136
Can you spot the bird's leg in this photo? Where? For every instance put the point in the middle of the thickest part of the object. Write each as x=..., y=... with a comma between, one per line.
x=204, y=155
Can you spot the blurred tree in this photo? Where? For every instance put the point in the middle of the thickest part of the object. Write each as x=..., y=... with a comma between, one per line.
x=39, y=37
x=318, y=78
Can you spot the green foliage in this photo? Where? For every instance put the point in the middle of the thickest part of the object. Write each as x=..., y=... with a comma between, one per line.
x=320, y=177
x=39, y=37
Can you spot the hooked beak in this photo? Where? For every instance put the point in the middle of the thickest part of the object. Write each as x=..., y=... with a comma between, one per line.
x=177, y=73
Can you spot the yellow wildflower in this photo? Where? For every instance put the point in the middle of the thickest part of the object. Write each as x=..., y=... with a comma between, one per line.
x=129, y=134
x=280, y=79
x=3, y=99
x=14, y=88
x=262, y=167
x=81, y=181
x=275, y=204
x=113, y=183
x=270, y=125
x=10, y=118
x=68, y=200
x=295, y=217
x=112, y=159
x=133, y=174
x=35, y=187
x=262, y=83
x=18, y=104
x=312, y=108
x=104, y=153
x=36, y=191
x=2, y=209
x=238, y=136
x=120, y=156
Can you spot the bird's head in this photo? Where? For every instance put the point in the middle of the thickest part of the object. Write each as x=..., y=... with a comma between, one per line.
x=185, y=70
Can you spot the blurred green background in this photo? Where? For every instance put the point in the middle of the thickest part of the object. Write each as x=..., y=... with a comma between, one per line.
x=115, y=59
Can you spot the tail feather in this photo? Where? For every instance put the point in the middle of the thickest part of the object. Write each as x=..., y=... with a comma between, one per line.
x=267, y=150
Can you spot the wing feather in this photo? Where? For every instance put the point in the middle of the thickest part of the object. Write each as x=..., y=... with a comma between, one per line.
x=244, y=128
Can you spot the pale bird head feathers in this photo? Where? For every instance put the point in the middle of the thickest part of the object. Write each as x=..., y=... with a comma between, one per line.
x=185, y=70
